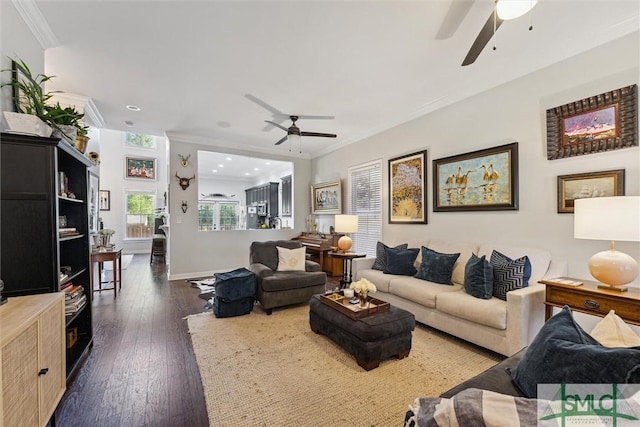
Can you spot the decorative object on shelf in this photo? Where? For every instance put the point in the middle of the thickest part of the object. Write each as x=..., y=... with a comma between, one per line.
x=346, y=224
x=184, y=206
x=26, y=124
x=184, y=182
x=605, y=122
x=408, y=189
x=66, y=122
x=609, y=218
x=140, y=168
x=164, y=216
x=586, y=185
x=184, y=161
x=483, y=180
x=81, y=142
x=363, y=287
x=326, y=198
x=94, y=157
x=105, y=200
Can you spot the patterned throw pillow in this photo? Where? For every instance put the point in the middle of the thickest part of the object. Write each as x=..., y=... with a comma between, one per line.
x=437, y=267
x=291, y=259
x=509, y=274
x=478, y=277
x=400, y=261
x=381, y=256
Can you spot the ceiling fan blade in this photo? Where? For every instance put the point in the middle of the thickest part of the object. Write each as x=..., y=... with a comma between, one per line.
x=316, y=117
x=483, y=38
x=326, y=135
x=264, y=105
x=278, y=125
x=458, y=9
x=283, y=139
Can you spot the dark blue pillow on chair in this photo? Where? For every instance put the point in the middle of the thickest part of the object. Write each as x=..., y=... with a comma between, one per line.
x=400, y=261
x=437, y=267
x=478, y=277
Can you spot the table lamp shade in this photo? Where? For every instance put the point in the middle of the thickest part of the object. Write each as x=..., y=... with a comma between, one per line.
x=609, y=218
x=346, y=224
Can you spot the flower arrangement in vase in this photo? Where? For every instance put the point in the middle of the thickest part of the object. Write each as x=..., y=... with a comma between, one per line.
x=363, y=287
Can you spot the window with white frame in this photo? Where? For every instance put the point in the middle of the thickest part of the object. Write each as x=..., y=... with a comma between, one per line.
x=140, y=217
x=139, y=140
x=216, y=215
x=365, y=186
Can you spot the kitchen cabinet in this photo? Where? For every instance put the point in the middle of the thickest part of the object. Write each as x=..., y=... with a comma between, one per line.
x=286, y=196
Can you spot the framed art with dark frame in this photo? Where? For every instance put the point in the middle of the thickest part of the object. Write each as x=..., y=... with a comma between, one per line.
x=104, y=199
x=326, y=198
x=483, y=180
x=599, y=123
x=586, y=185
x=140, y=168
x=408, y=189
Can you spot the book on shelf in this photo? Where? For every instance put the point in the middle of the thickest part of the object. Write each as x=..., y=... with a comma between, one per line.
x=71, y=305
x=567, y=281
x=72, y=310
x=73, y=291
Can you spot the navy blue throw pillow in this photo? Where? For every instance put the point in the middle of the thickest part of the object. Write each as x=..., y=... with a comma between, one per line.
x=381, y=256
x=478, y=277
x=437, y=267
x=563, y=353
x=400, y=261
x=509, y=274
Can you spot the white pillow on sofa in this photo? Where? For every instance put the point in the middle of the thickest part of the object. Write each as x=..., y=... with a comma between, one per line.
x=611, y=331
x=291, y=259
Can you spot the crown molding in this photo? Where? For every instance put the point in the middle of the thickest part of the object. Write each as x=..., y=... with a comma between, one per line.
x=32, y=16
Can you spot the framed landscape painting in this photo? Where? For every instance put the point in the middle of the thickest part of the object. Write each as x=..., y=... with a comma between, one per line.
x=604, y=122
x=326, y=198
x=483, y=180
x=586, y=185
x=140, y=168
x=408, y=189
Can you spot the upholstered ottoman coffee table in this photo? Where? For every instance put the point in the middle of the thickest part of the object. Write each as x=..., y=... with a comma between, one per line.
x=370, y=339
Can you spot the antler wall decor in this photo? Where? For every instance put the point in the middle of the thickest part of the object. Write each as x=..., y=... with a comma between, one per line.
x=184, y=206
x=184, y=182
x=184, y=161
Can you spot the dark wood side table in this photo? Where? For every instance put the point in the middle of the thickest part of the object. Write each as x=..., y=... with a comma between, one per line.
x=347, y=261
x=589, y=299
x=115, y=256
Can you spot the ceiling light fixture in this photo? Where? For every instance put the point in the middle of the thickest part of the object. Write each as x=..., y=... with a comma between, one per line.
x=128, y=123
x=132, y=107
x=512, y=9
x=229, y=158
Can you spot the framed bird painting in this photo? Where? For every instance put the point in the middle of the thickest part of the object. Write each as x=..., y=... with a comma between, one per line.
x=483, y=180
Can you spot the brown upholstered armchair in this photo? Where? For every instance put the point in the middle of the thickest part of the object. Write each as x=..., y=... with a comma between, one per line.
x=280, y=288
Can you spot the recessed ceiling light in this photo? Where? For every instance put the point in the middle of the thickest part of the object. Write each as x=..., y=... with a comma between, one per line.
x=268, y=163
x=132, y=107
x=247, y=173
x=215, y=171
x=229, y=158
x=220, y=165
x=256, y=169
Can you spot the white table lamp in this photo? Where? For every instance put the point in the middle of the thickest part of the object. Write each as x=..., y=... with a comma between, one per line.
x=346, y=224
x=609, y=218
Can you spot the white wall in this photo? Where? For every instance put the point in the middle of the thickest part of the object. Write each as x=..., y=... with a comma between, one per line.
x=112, y=178
x=512, y=112
x=194, y=253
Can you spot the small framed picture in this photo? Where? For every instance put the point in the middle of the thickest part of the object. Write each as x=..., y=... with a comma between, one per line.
x=140, y=168
x=586, y=185
x=104, y=198
x=326, y=198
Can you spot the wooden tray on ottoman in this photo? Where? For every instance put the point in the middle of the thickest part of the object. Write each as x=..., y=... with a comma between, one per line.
x=338, y=301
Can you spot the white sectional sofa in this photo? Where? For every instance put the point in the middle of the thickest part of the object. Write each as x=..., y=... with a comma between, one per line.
x=502, y=326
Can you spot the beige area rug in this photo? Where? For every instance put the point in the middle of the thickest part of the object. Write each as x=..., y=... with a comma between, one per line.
x=260, y=370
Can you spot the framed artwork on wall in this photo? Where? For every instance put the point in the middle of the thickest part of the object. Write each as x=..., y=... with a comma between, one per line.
x=408, y=189
x=140, y=168
x=105, y=200
x=326, y=198
x=483, y=180
x=599, y=123
x=586, y=185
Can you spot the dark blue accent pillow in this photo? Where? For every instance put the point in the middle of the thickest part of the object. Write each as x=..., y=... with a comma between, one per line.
x=478, y=277
x=381, y=256
x=436, y=267
x=563, y=352
x=509, y=274
x=400, y=261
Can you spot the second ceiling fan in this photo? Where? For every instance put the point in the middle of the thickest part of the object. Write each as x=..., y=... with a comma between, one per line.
x=294, y=133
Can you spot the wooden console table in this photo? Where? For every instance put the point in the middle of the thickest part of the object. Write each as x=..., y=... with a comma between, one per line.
x=115, y=256
x=589, y=299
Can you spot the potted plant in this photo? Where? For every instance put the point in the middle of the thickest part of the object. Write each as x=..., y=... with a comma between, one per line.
x=29, y=99
x=64, y=120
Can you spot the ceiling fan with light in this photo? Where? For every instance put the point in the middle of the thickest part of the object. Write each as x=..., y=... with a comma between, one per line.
x=294, y=133
x=503, y=10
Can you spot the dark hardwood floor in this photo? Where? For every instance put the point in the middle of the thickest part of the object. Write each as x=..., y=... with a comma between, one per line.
x=141, y=370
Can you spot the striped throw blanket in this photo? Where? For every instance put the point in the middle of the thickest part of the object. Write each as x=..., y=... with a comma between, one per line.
x=472, y=407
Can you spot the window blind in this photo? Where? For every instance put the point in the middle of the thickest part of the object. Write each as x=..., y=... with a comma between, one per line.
x=365, y=185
